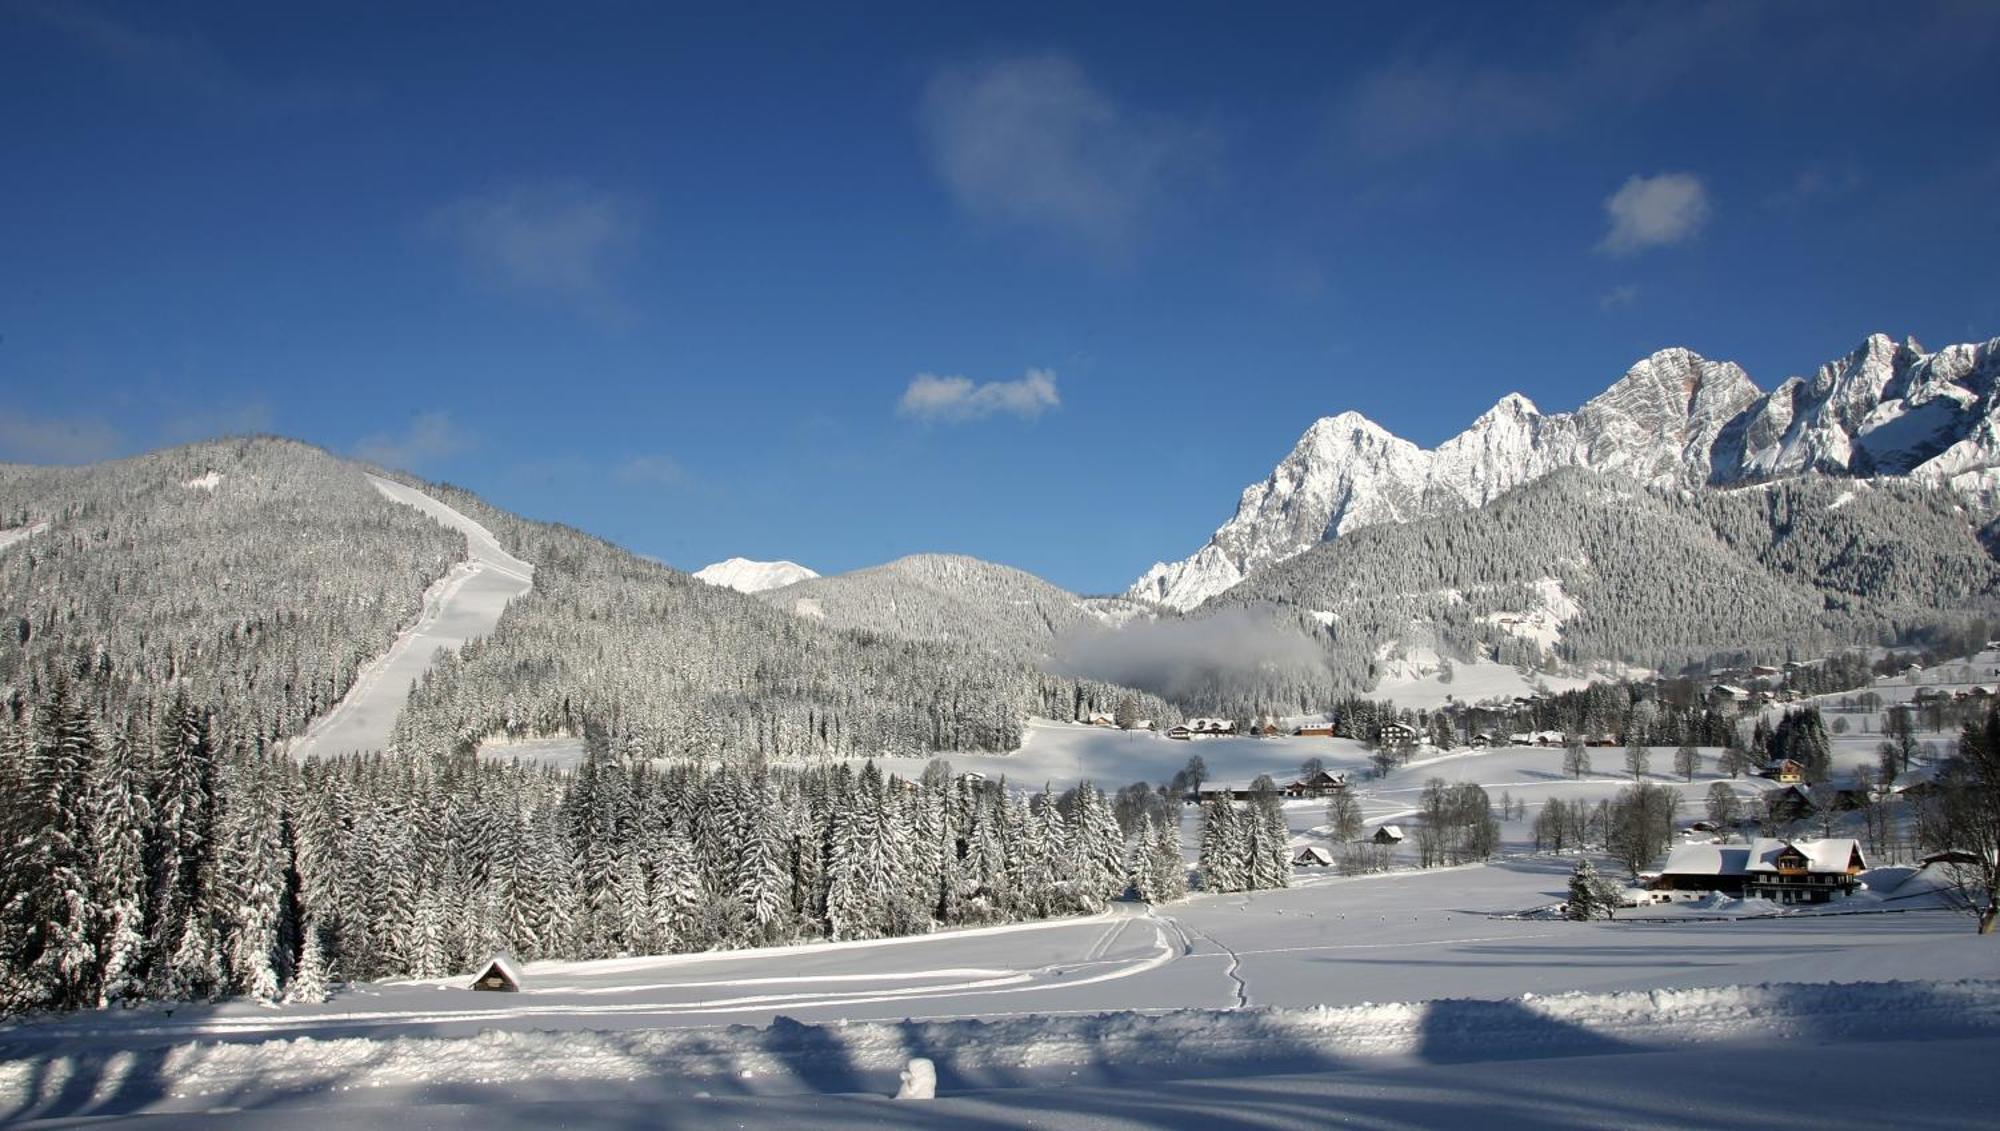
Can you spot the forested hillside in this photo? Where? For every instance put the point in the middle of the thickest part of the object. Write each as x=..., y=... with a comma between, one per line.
x=671, y=667
x=171, y=616
x=256, y=576
x=1579, y=568
x=951, y=597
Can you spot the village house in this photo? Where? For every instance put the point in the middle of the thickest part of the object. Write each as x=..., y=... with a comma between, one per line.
x=1785, y=771
x=1788, y=804
x=1388, y=834
x=1323, y=783
x=1315, y=730
x=1396, y=735
x=1313, y=856
x=1781, y=871
x=1728, y=693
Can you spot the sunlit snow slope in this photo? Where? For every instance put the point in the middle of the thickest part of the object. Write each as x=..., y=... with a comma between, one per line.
x=463, y=605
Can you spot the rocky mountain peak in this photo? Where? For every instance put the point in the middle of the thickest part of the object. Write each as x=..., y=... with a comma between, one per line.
x=1674, y=417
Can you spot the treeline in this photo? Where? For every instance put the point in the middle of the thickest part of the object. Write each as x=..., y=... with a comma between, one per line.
x=161, y=857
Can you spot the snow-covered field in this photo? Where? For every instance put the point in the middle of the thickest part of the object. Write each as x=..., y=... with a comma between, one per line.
x=1253, y=1009
x=1216, y=987
x=463, y=605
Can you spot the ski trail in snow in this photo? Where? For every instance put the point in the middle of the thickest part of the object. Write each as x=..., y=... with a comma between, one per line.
x=1234, y=971
x=463, y=605
x=15, y=534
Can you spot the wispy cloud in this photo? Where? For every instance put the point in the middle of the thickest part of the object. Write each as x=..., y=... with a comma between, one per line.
x=181, y=60
x=429, y=437
x=27, y=438
x=1445, y=97
x=651, y=471
x=1419, y=102
x=1816, y=182
x=565, y=240
x=1031, y=142
x=1619, y=297
x=1654, y=212
x=957, y=399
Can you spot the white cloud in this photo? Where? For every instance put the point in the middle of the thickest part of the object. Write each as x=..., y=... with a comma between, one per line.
x=651, y=471
x=955, y=399
x=1029, y=141
x=565, y=240
x=1653, y=212
x=430, y=436
x=25, y=438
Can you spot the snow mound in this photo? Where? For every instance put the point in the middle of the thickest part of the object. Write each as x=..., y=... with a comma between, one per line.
x=205, y=482
x=746, y=576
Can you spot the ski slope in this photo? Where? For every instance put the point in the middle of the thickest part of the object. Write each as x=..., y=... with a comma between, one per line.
x=463, y=605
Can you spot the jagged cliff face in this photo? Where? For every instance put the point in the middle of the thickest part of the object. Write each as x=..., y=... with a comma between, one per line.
x=1674, y=418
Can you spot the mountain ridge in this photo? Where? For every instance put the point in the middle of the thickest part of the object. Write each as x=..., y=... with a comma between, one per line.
x=1674, y=418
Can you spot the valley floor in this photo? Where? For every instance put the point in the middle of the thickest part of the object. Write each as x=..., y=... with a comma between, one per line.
x=1217, y=988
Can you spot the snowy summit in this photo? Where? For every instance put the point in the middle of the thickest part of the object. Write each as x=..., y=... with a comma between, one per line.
x=746, y=576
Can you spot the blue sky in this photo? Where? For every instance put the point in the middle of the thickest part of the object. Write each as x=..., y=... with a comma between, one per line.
x=1047, y=284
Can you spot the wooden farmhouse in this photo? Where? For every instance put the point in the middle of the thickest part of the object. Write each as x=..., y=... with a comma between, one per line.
x=1312, y=856
x=1324, y=783
x=498, y=975
x=1315, y=730
x=1388, y=834
x=1788, y=804
x=1786, y=771
x=1781, y=871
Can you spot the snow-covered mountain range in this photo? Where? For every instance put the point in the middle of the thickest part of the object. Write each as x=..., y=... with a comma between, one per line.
x=746, y=576
x=1886, y=409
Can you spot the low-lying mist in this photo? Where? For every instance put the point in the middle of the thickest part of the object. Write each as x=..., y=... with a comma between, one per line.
x=1199, y=661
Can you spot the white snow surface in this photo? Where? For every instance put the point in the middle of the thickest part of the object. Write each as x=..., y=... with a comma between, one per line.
x=207, y=481
x=462, y=605
x=14, y=534
x=747, y=576
x=1226, y=986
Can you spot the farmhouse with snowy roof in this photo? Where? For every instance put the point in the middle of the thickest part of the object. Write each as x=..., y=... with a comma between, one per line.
x=1312, y=856
x=1203, y=728
x=1783, y=871
x=1320, y=783
x=1388, y=834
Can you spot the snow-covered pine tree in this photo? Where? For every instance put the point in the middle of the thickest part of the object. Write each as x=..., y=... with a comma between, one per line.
x=309, y=982
x=1168, y=866
x=122, y=814
x=1222, y=857
x=1140, y=867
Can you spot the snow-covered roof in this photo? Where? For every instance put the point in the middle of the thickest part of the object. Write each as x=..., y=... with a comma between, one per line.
x=1706, y=860
x=1831, y=855
x=1393, y=830
x=506, y=967
x=1760, y=857
x=1312, y=854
